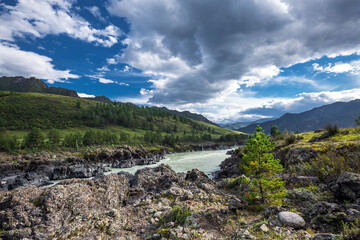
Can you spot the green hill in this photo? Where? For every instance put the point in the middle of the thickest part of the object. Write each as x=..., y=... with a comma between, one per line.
x=20, y=112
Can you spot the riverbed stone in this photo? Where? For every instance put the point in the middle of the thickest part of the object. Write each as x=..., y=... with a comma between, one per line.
x=291, y=219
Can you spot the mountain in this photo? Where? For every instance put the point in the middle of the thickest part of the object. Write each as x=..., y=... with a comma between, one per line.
x=341, y=113
x=237, y=125
x=187, y=114
x=21, y=84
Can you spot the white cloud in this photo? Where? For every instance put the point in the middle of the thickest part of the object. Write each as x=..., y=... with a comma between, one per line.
x=103, y=69
x=84, y=95
x=95, y=11
x=15, y=62
x=105, y=81
x=339, y=67
x=41, y=18
x=111, y=61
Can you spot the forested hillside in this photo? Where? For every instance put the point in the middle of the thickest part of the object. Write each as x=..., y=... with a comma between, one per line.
x=96, y=122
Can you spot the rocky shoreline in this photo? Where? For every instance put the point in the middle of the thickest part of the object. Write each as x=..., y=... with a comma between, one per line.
x=40, y=169
x=158, y=203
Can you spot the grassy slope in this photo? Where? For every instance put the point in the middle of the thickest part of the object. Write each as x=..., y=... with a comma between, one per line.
x=45, y=110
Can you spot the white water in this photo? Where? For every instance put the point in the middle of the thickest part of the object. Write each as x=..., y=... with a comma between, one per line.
x=206, y=161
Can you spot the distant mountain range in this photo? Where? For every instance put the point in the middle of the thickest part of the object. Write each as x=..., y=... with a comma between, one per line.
x=341, y=113
x=190, y=115
x=237, y=125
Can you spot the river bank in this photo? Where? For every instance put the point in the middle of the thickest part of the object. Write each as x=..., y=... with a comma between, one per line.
x=41, y=169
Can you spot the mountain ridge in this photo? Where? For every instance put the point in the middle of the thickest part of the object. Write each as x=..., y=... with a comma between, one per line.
x=341, y=113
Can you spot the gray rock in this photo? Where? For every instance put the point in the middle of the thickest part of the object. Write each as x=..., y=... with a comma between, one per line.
x=291, y=219
x=264, y=228
x=272, y=211
x=188, y=195
x=347, y=186
x=324, y=236
x=235, y=204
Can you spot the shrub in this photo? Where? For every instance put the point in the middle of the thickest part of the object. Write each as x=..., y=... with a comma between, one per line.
x=331, y=130
x=178, y=215
x=290, y=139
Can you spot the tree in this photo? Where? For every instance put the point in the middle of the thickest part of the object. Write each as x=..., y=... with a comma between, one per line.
x=34, y=139
x=275, y=131
x=54, y=137
x=261, y=166
x=357, y=122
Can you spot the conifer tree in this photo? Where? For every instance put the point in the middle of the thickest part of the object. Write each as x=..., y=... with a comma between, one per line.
x=259, y=163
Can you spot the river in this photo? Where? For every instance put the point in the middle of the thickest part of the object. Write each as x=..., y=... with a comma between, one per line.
x=206, y=161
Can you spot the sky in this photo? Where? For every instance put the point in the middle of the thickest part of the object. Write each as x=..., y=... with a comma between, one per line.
x=230, y=60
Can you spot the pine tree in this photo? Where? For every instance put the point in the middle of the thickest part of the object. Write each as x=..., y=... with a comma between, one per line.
x=261, y=165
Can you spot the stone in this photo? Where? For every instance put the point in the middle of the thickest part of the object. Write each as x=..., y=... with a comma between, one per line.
x=188, y=195
x=264, y=228
x=157, y=214
x=272, y=211
x=291, y=219
x=235, y=204
x=324, y=236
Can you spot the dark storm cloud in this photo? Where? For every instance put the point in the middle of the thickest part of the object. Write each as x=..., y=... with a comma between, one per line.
x=204, y=49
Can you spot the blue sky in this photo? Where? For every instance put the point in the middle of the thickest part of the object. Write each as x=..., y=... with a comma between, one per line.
x=231, y=61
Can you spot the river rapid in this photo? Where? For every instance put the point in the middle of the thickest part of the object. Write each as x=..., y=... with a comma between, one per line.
x=206, y=161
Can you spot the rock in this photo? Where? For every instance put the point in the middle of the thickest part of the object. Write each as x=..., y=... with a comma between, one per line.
x=188, y=195
x=174, y=191
x=324, y=236
x=235, y=204
x=326, y=216
x=157, y=214
x=228, y=168
x=264, y=228
x=301, y=196
x=198, y=177
x=157, y=179
x=346, y=186
x=300, y=180
x=291, y=219
x=273, y=210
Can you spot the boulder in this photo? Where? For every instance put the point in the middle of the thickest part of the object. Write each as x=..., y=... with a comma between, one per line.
x=346, y=186
x=157, y=179
x=290, y=219
x=198, y=177
x=235, y=204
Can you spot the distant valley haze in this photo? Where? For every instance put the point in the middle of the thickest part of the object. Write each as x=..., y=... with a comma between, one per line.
x=233, y=61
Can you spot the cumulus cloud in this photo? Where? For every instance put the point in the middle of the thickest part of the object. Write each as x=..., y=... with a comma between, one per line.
x=339, y=67
x=40, y=18
x=15, y=62
x=201, y=51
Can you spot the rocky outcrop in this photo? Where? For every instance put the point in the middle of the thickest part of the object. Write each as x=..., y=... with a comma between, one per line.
x=228, y=168
x=125, y=156
x=39, y=173
x=108, y=208
x=346, y=186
